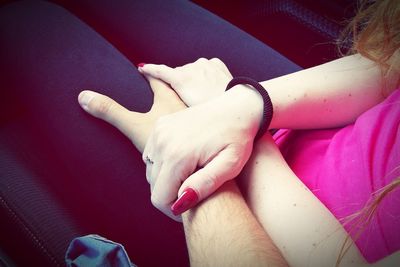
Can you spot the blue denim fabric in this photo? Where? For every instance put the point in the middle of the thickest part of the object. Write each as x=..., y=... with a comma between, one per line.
x=94, y=250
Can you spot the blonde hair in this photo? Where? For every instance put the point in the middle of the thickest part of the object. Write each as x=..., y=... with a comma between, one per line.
x=375, y=34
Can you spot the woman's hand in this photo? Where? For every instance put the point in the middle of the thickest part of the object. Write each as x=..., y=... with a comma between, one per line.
x=196, y=82
x=208, y=143
x=191, y=153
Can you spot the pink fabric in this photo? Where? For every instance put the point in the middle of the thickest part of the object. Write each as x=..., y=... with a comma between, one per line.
x=343, y=167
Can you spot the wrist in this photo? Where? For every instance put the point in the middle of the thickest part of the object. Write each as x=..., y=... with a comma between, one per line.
x=247, y=105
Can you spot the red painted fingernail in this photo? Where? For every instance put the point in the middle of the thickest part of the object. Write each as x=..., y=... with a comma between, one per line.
x=141, y=65
x=185, y=201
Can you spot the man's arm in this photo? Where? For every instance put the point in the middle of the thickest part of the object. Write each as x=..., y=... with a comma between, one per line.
x=222, y=231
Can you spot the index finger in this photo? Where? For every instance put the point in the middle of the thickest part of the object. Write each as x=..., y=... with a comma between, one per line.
x=162, y=72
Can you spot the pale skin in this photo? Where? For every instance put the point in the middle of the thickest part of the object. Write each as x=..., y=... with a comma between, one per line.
x=270, y=188
x=213, y=237
x=222, y=125
x=330, y=95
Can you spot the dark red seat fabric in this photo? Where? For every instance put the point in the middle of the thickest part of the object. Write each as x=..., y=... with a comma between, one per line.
x=64, y=173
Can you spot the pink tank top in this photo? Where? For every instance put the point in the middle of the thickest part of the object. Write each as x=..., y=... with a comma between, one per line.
x=344, y=166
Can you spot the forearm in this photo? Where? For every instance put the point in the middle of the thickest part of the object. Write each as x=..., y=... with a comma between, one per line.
x=222, y=231
x=300, y=225
x=329, y=95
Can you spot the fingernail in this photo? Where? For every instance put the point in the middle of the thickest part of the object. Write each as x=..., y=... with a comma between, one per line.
x=84, y=98
x=141, y=65
x=186, y=200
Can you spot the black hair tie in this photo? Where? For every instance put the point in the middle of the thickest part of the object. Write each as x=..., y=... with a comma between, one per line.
x=268, y=109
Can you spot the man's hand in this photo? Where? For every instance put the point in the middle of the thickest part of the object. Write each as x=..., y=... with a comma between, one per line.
x=135, y=125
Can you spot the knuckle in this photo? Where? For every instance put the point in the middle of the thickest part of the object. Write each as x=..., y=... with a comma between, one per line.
x=202, y=60
x=148, y=176
x=144, y=157
x=172, y=153
x=180, y=69
x=103, y=107
x=161, y=144
x=157, y=72
x=160, y=139
x=158, y=69
x=231, y=160
x=210, y=180
x=163, y=68
x=236, y=153
x=216, y=60
x=219, y=64
x=236, y=161
x=155, y=201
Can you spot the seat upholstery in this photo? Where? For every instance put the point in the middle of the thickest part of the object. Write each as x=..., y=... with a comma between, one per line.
x=37, y=218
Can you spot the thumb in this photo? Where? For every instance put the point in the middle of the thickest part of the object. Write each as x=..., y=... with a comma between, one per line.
x=105, y=108
x=162, y=72
x=205, y=181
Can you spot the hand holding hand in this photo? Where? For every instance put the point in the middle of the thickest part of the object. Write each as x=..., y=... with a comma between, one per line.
x=191, y=153
x=135, y=125
x=195, y=82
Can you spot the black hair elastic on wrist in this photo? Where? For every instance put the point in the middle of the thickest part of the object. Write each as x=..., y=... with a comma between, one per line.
x=268, y=110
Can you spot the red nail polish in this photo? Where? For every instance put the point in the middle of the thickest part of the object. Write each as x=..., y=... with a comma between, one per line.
x=141, y=65
x=185, y=201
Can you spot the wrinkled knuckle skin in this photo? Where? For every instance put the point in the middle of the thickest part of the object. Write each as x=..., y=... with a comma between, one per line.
x=144, y=158
x=148, y=177
x=172, y=153
x=160, y=133
x=103, y=107
x=202, y=60
x=232, y=161
x=161, y=144
x=217, y=60
x=157, y=72
x=211, y=180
